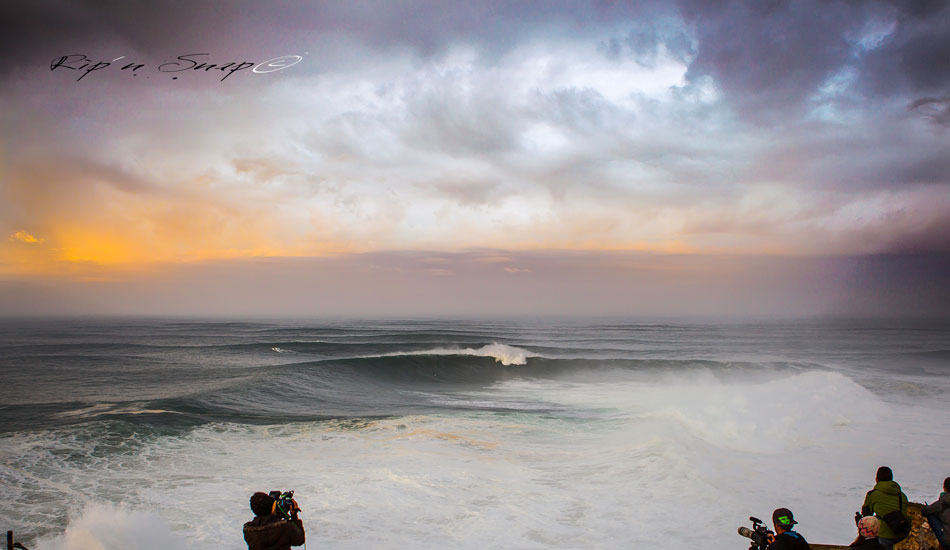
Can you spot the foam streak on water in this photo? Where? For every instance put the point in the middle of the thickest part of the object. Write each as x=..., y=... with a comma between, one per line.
x=462, y=435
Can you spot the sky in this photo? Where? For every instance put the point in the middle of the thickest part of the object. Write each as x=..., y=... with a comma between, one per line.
x=475, y=158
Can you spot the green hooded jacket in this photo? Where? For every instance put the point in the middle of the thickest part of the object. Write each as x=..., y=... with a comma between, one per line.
x=885, y=497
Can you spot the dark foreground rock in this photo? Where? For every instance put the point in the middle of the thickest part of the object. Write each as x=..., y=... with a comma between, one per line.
x=921, y=537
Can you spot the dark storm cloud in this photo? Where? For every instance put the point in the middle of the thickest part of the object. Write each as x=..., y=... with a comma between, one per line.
x=771, y=55
x=45, y=28
x=915, y=57
x=764, y=55
x=771, y=58
x=34, y=33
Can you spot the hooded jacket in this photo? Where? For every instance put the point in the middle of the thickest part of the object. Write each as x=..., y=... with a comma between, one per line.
x=885, y=497
x=272, y=532
x=941, y=508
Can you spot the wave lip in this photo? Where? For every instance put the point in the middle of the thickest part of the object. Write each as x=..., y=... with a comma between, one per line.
x=502, y=353
x=103, y=409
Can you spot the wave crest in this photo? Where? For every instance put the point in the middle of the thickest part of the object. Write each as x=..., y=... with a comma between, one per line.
x=502, y=353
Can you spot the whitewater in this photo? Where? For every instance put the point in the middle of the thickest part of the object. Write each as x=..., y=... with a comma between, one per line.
x=137, y=433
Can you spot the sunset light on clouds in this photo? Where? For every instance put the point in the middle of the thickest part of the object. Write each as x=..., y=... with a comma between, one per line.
x=618, y=139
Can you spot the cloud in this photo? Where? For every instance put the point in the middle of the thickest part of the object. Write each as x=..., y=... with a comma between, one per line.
x=769, y=57
x=490, y=258
x=915, y=57
x=707, y=127
x=777, y=62
x=24, y=237
x=934, y=109
x=647, y=40
x=160, y=29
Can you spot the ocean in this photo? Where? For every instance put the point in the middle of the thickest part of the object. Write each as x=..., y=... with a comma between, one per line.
x=529, y=433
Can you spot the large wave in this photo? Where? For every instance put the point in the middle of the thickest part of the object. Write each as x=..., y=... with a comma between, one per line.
x=397, y=383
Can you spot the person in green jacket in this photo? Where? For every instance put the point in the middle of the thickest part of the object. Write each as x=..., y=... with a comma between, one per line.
x=884, y=498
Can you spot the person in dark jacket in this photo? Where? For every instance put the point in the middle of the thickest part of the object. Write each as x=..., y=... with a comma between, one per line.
x=938, y=516
x=868, y=528
x=884, y=498
x=785, y=538
x=270, y=531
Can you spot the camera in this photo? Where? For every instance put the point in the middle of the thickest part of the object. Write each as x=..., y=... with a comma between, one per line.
x=760, y=535
x=286, y=505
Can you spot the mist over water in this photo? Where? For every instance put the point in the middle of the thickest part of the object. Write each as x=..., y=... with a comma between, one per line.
x=435, y=434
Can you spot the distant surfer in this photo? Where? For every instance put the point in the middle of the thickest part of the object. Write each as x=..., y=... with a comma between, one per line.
x=275, y=525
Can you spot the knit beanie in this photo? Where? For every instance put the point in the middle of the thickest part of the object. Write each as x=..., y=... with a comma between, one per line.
x=868, y=527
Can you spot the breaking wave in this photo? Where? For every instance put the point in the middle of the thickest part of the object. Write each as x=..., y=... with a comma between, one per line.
x=501, y=353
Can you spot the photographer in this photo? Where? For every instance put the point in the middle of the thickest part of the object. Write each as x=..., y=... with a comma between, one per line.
x=785, y=537
x=275, y=525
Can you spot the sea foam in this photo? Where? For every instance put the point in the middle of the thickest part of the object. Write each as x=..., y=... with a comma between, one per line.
x=109, y=527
